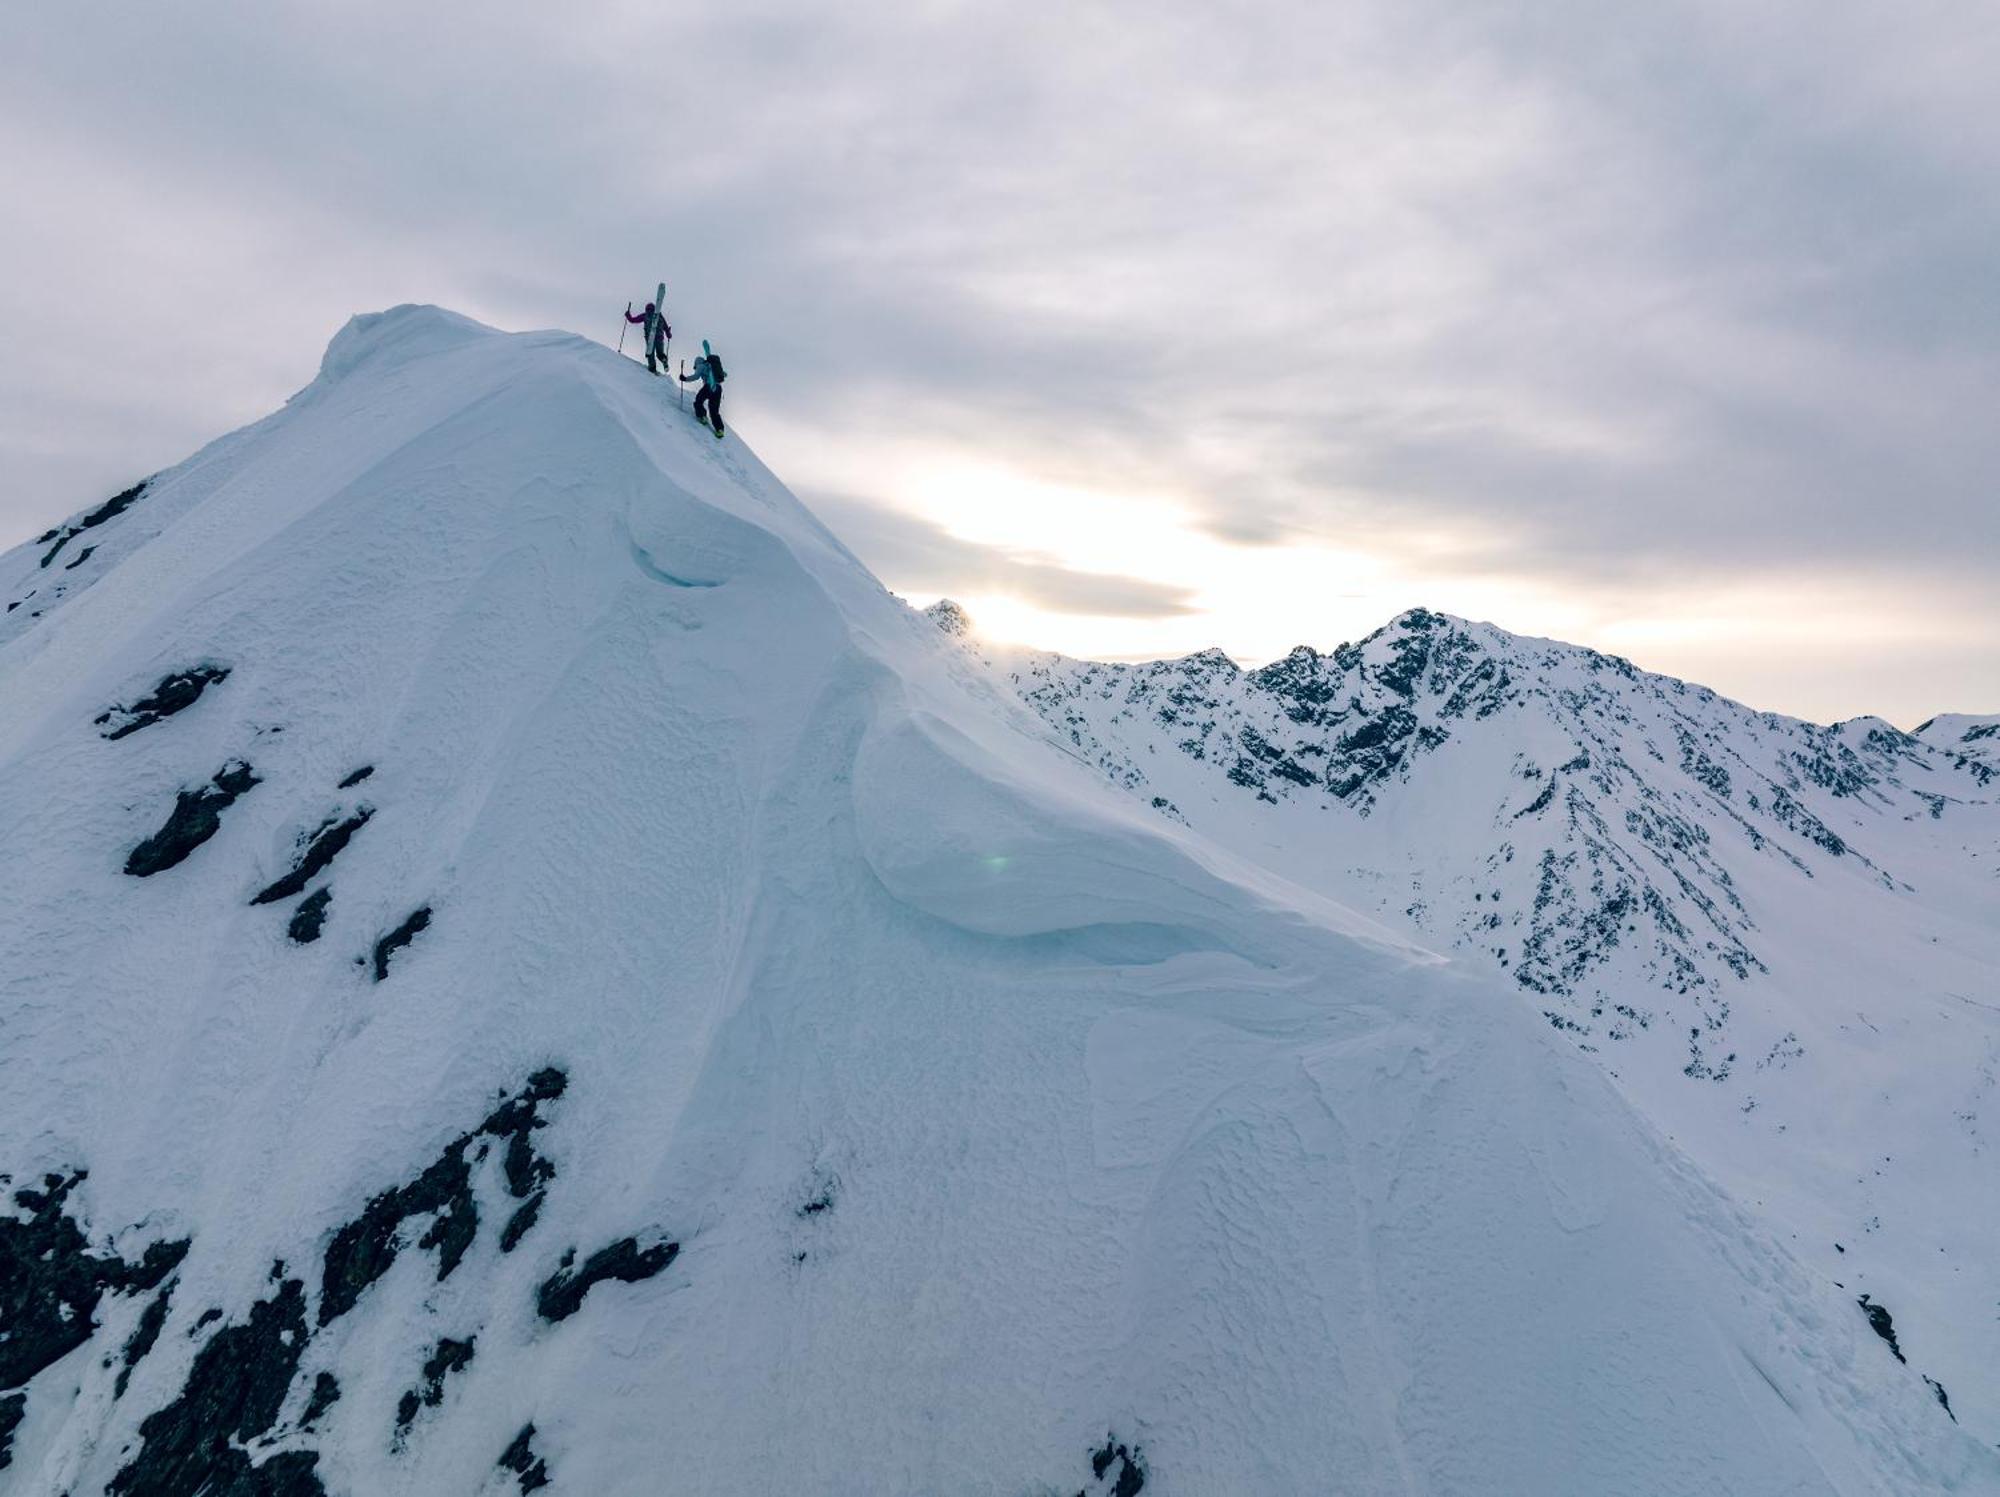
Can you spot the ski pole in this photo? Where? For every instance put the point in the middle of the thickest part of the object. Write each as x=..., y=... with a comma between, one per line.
x=621, y=329
x=680, y=389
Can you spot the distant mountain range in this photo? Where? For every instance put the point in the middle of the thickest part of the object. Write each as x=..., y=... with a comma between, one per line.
x=1781, y=939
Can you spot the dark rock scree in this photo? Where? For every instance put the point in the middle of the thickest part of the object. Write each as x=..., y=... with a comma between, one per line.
x=232, y=1395
x=51, y=1282
x=322, y=848
x=110, y=509
x=520, y=1458
x=398, y=938
x=561, y=1296
x=197, y=816
x=448, y=1357
x=1884, y=1324
x=175, y=693
x=325, y=1394
x=1115, y=1471
x=362, y=1251
x=310, y=917
x=151, y=1322
x=205, y=1439
x=14, y=1408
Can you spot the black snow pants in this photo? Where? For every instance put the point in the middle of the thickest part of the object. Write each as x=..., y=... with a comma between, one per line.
x=708, y=406
x=656, y=353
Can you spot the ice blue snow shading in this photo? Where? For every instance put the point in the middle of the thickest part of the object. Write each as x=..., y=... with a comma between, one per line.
x=811, y=1075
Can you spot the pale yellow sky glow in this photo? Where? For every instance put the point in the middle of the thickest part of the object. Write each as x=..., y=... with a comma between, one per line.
x=1787, y=642
x=1138, y=330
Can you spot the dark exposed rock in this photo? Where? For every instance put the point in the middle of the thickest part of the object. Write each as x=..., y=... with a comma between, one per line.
x=398, y=938
x=321, y=849
x=175, y=693
x=448, y=1357
x=521, y=1222
x=520, y=1458
x=562, y=1294
x=13, y=1409
x=325, y=1394
x=151, y=1322
x=1116, y=1470
x=81, y=557
x=363, y=1250
x=1943, y=1398
x=1885, y=1326
x=310, y=917
x=197, y=816
x=110, y=509
x=357, y=777
x=203, y=1321
x=232, y=1395
x=51, y=1282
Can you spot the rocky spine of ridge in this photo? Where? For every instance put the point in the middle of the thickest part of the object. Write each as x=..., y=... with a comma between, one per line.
x=1606, y=879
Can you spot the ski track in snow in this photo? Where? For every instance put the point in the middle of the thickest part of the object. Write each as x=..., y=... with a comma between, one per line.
x=996, y=1119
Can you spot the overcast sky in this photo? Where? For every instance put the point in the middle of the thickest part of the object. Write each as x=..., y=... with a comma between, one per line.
x=1673, y=329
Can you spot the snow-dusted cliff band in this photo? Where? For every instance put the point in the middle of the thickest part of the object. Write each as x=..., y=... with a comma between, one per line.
x=523, y=968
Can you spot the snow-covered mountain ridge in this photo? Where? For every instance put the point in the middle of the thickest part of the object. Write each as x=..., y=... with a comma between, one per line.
x=1601, y=817
x=523, y=968
x=1705, y=897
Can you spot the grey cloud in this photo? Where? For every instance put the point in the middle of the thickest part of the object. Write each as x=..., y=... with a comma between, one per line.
x=1594, y=291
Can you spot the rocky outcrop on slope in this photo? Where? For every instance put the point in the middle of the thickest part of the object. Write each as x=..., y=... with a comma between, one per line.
x=1582, y=825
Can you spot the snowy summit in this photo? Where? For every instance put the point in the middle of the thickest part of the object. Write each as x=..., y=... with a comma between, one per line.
x=523, y=966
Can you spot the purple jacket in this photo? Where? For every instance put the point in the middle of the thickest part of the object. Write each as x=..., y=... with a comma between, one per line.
x=656, y=325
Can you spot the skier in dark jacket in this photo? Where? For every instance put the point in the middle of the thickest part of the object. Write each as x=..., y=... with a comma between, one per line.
x=657, y=334
x=708, y=399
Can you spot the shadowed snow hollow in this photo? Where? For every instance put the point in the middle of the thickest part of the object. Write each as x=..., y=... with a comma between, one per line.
x=522, y=966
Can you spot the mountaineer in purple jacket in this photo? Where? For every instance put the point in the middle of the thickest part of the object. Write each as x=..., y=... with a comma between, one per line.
x=657, y=334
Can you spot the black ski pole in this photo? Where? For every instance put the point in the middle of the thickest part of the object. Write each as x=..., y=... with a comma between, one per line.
x=621, y=329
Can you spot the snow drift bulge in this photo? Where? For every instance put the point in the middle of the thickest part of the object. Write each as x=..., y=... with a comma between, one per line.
x=522, y=966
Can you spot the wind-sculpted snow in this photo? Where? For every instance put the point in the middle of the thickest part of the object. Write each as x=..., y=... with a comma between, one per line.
x=1605, y=871
x=1701, y=896
x=808, y=1075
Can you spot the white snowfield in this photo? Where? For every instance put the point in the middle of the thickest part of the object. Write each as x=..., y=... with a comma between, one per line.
x=975, y=1128
x=1781, y=940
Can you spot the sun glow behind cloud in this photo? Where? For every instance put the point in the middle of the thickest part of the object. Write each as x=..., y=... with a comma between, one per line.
x=1138, y=329
x=1257, y=601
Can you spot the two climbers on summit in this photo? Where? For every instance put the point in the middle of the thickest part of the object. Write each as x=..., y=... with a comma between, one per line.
x=708, y=370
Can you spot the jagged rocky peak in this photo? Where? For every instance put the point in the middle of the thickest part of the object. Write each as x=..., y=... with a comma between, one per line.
x=1585, y=826
x=950, y=616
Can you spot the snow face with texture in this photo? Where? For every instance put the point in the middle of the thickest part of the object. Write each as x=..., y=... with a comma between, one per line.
x=1781, y=940
x=615, y=1000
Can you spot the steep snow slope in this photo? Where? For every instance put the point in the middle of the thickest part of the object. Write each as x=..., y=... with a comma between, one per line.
x=1965, y=736
x=521, y=964
x=1783, y=940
